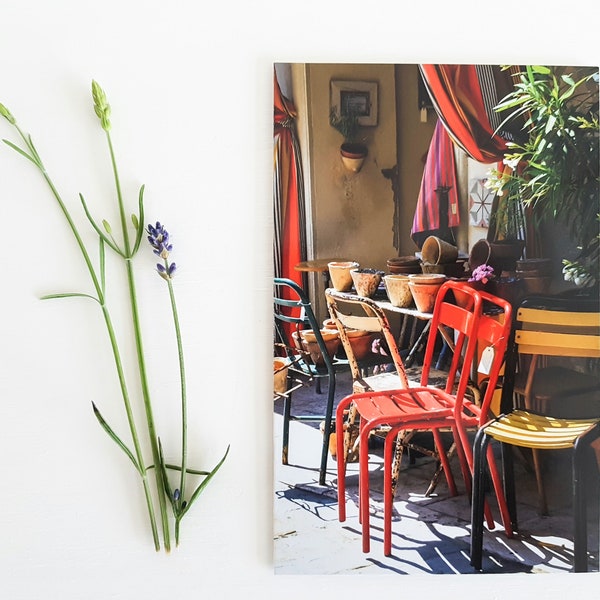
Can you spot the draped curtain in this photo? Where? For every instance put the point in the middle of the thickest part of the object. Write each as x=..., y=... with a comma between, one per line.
x=464, y=97
x=289, y=244
x=289, y=240
x=437, y=205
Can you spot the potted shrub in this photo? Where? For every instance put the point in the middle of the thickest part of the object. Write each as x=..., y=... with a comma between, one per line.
x=353, y=150
x=553, y=171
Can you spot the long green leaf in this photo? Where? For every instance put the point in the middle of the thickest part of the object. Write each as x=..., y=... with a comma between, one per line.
x=140, y=228
x=116, y=438
x=70, y=295
x=21, y=151
x=102, y=266
x=204, y=483
x=97, y=229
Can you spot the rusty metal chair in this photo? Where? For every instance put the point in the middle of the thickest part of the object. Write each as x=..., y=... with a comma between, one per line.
x=352, y=313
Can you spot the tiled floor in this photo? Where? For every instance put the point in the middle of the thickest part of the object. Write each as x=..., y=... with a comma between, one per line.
x=430, y=535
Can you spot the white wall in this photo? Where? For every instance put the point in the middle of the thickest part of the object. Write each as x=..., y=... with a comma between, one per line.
x=191, y=94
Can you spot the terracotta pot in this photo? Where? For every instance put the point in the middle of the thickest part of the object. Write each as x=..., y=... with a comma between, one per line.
x=353, y=156
x=424, y=294
x=436, y=278
x=366, y=281
x=339, y=273
x=404, y=264
x=462, y=298
x=307, y=342
x=430, y=268
x=361, y=342
x=539, y=265
x=280, y=375
x=437, y=251
x=510, y=289
x=502, y=255
x=397, y=290
x=535, y=285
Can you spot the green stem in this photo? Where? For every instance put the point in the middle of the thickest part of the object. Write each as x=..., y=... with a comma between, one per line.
x=183, y=401
x=132, y=426
x=153, y=437
x=148, y=405
x=110, y=329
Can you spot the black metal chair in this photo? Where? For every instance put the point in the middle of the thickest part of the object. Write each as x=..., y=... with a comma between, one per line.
x=545, y=406
x=293, y=314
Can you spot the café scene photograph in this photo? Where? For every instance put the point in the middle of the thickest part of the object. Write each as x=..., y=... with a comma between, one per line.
x=436, y=319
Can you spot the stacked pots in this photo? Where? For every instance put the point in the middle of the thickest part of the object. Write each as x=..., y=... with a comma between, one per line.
x=440, y=257
x=535, y=275
x=403, y=265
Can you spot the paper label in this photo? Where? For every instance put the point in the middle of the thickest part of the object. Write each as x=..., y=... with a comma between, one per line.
x=487, y=359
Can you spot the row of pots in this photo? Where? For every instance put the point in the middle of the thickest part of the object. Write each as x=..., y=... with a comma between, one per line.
x=402, y=289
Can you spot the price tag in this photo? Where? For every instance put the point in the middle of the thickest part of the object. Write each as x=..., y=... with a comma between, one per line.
x=487, y=358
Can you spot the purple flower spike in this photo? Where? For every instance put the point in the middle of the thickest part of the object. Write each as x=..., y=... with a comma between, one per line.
x=167, y=270
x=158, y=237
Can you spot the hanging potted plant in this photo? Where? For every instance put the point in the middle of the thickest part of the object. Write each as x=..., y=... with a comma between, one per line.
x=353, y=150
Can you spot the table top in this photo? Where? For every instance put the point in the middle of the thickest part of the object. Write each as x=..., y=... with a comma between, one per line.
x=380, y=298
x=318, y=265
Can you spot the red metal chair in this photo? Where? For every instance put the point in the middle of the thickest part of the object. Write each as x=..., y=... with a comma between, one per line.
x=491, y=336
x=429, y=408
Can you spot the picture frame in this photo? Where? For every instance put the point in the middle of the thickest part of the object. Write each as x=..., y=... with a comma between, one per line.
x=357, y=96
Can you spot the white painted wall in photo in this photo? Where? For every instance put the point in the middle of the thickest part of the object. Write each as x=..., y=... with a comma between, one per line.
x=191, y=95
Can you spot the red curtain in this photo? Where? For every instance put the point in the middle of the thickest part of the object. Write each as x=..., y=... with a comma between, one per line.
x=464, y=97
x=289, y=242
x=288, y=202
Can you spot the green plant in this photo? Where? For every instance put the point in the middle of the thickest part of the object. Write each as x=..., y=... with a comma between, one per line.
x=553, y=170
x=347, y=124
x=127, y=248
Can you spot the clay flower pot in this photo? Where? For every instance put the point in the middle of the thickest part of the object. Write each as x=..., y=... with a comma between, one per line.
x=436, y=251
x=397, y=290
x=339, y=273
x=353, y=155
x=360, y=341
x=280, y=375
x=307, y=341
x=501, y=254
x=366, y=281
x=424, y=289
x=404, y=264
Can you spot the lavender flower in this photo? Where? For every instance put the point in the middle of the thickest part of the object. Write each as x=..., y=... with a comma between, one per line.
x=166, y=272
x=158, y=237
x=482, y=273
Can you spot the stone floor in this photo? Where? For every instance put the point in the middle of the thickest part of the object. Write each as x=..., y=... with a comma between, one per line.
x=430, y=534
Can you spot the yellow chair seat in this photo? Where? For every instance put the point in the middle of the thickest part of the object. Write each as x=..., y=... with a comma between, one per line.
x=530, y=430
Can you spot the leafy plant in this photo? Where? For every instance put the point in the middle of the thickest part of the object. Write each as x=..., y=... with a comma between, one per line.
x=178, y=496
x=554, y=169
x=347, y=124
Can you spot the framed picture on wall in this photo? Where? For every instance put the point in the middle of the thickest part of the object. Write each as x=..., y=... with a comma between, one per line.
x=359, y=97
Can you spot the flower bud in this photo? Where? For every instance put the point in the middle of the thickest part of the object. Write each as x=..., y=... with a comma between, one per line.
x=101, y=105
x=7, y=114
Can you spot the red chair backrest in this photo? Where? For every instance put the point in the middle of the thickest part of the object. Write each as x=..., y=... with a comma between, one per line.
x=462, y=323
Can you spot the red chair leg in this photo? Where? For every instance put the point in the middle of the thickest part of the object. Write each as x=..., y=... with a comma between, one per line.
x=363, y=487
x=388, y=496
x=341, y=458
